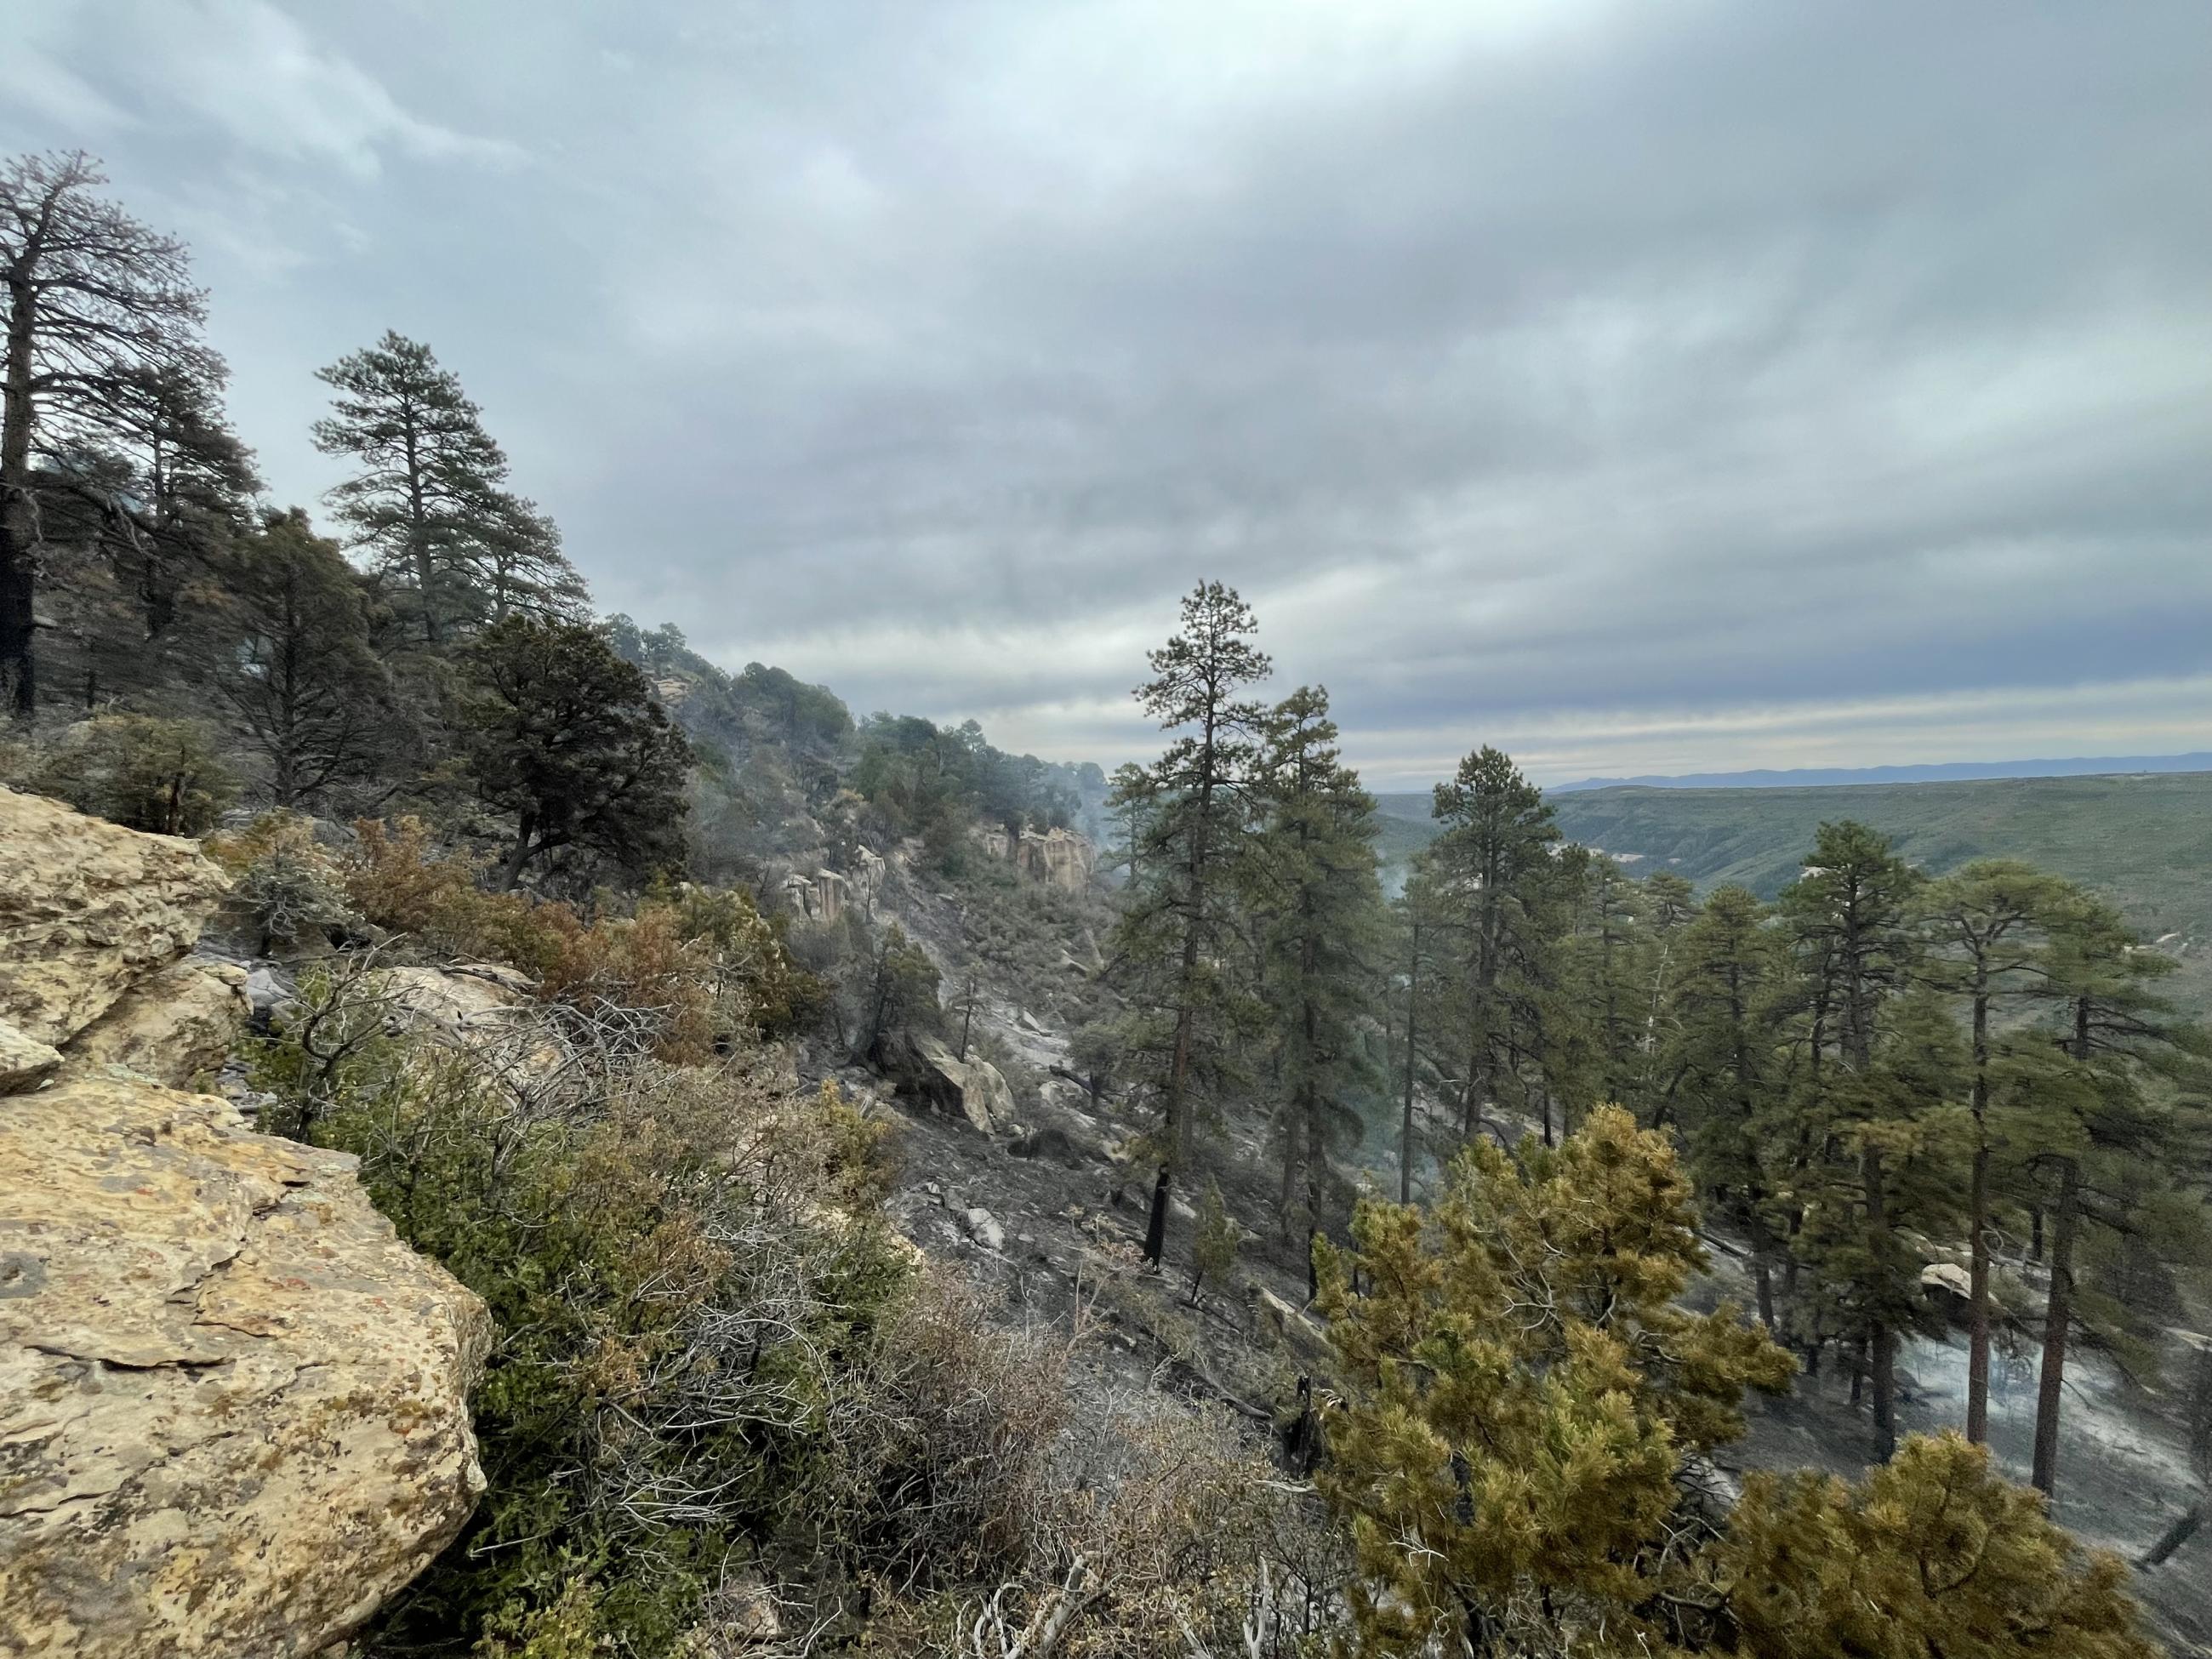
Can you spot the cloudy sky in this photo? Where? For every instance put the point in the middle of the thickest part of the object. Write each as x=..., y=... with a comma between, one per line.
x=1644, y=388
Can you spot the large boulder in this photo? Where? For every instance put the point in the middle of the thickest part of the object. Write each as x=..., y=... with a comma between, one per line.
x=233, y=1413
x=486, y=1009
x=233, y=1405
x=974, y=1088
x=25, y=1062
x=86, y=910
x=170, y=1028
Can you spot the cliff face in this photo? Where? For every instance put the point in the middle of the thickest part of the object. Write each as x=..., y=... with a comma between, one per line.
x=1058, y=858
x=233, y=1406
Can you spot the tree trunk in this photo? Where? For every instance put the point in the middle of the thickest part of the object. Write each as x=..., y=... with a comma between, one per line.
x=2057, y=1322
x=2182, y=1530
x=1405, y=1124
x=518, y=859
x=1884, y=1339
x=1977, y=1224
x=1156, y=1226
x=18, y=522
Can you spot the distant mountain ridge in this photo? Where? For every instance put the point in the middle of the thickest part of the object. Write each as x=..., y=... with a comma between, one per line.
x=1825, y=777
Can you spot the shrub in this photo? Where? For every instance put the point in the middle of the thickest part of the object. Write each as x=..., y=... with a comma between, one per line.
x=163, y=777
x=682, y=1304
x=283, y=883
x=693, y=971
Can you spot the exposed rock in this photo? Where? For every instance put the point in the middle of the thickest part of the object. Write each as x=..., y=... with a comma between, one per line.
x=170, y=1028
x=974, y=1088
x=1948, y=1279
x=474, y=1007
x=25, y=1062
x=745, y=1613
x=1048, y=1142
x=232, y=1414
x=983, y=1227
x=1058, y=858
x=87, y=910
x=233, y=1405
x=819, y=897
x=455, y=1001
x=265, y=992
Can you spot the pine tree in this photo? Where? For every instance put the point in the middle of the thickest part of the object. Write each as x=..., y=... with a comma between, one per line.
x=1931, y=1556
x=521, y=567
x=1214, y=1243
x=429, y=505
x=563, y=737
x=1524, y=1392
x=1985, y=924
x=1723, y=1068
x=1606, y=974
x=1168, y=937
x=103, y=356
x=1850, y=920
x=1311, y=876
x=1495, y=857
x=294, y=666
x=2106, y=1131
x=1419, y=928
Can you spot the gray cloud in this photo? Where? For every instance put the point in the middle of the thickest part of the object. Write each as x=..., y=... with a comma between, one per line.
x=1711, y=385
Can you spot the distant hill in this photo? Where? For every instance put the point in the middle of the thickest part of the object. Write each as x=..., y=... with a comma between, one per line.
x=2144, y=840
x=1944, y=772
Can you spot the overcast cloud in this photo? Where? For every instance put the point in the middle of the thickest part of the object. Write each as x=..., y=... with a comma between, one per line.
x=1642, y=387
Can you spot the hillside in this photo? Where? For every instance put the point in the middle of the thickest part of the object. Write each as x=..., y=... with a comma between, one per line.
x=1812, y=777
x=2144, y=840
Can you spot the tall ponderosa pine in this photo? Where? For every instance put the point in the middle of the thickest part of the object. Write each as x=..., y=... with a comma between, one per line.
x=2108, y=1134
x=1420, y=927
x=1723, y=1071
x=1985, y=925
x=1313, y=884
x=521, y=567
x=429, y=504
x=1850, y=920
x=1170, y=936
x=103, y=354
x=1494, y=859
x=1606, y=981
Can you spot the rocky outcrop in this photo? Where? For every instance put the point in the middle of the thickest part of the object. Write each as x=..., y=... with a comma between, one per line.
x=25, y=1062
x=233, y=1405
x=818, y=897
x=1058, y=858
x=172, y=1028
x=924, y=1069
x=88, y=909
x=974, y=1088
x=479, y=1007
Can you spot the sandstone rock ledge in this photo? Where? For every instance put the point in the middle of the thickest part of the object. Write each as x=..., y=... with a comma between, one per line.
x=234, y=1412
